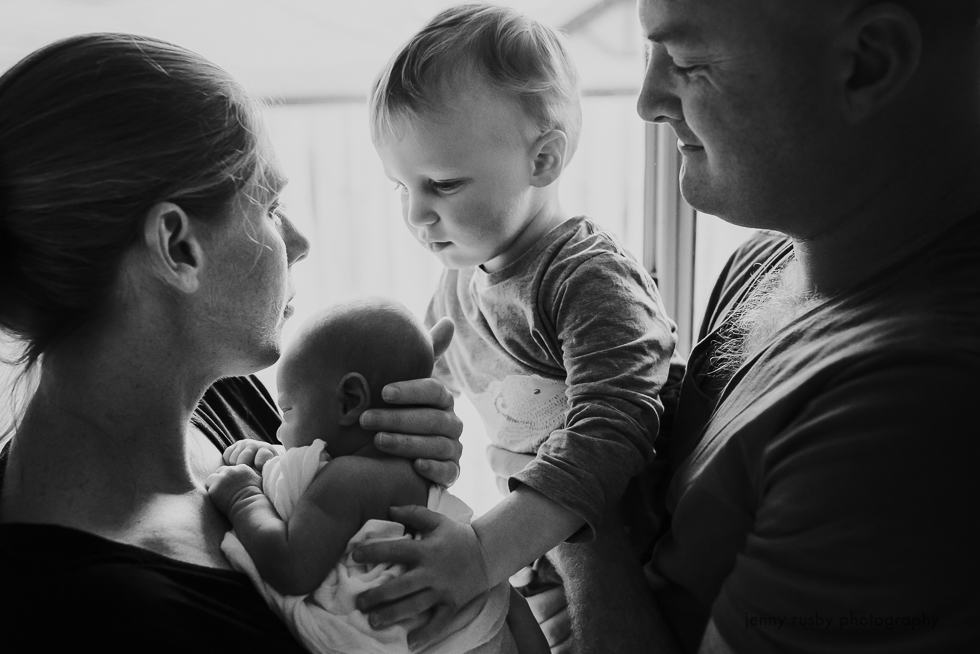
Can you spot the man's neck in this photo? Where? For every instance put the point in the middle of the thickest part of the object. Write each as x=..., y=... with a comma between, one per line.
x=903, y=216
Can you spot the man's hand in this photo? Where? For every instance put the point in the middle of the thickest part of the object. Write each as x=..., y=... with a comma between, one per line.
x=230, y=484
x=550, y=609
x=445, y=571
x=251, y=452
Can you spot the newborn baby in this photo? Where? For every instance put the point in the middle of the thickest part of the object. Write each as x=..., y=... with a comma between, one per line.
x=295, y=526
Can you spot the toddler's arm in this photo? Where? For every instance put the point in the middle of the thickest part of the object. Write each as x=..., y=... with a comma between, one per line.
x=453, y=563
x=295, y=557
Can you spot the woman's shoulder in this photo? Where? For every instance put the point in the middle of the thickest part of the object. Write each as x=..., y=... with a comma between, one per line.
x=76, y=589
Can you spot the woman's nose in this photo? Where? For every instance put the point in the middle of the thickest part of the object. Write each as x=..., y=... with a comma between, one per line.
x=297, y=245
x=658, y=103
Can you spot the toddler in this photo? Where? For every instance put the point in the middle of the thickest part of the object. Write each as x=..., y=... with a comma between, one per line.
x=294, y=526
x=562, y=342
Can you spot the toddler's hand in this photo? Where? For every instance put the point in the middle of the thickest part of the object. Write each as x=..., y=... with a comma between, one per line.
x=251, y=453
x=446, y=570
x=231, y=484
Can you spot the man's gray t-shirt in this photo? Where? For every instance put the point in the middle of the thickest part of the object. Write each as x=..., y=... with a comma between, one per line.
x=563, y=352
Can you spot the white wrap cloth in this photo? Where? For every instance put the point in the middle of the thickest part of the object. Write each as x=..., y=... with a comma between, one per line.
x=326, y=620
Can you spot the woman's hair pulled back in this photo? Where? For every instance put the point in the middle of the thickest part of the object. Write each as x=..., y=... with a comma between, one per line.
x=95, y=130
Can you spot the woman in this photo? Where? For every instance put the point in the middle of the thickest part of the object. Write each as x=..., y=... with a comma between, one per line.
x=144, y=260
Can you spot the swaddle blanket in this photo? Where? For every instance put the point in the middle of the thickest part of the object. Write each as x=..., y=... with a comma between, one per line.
x=326, y=620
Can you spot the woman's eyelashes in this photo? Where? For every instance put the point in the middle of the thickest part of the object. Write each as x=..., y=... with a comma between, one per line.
x=277, y=212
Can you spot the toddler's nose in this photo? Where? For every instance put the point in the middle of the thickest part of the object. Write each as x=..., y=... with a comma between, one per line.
x=418, y=212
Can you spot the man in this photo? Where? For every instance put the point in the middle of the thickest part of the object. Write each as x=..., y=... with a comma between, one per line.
x=822, y=458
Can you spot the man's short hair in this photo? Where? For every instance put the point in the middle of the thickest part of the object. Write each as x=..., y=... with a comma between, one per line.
x=506, y=50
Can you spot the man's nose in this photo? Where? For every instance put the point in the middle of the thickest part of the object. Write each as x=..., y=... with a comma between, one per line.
x=658, y=101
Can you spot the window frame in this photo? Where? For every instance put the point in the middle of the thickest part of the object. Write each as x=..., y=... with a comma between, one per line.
x=669, y=231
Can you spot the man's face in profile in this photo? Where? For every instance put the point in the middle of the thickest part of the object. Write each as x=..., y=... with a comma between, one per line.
x=745, y=85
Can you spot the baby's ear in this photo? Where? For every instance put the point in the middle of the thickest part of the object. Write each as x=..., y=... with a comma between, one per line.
x=549, y=157
x=354, y=396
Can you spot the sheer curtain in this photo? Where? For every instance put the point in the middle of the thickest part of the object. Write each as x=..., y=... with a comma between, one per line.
x=340, y=198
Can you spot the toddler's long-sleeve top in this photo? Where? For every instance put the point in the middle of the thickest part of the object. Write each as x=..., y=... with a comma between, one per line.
x=563, y=352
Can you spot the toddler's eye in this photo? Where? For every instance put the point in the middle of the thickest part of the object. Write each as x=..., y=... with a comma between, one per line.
x=450, y=186
x=400, y=187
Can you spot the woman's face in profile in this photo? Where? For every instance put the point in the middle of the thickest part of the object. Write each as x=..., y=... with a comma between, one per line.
x=249, y=285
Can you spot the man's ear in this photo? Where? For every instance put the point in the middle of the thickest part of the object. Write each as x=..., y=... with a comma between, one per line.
x=354, y=396
x=549, y=157
x=174, y=246
x=884, y=45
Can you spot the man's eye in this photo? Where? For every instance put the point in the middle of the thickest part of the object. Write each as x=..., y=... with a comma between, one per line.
x=685, y=70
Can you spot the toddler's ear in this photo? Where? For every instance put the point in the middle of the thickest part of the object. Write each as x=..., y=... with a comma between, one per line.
x=354, y=396
x=549, y=157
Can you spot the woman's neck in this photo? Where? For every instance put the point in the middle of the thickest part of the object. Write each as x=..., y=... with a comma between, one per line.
x=107, y=429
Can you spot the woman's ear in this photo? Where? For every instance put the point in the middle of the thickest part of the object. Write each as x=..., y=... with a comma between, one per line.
x=354, y=397
x=174, y=247
x=549, y=157
x=883, y=46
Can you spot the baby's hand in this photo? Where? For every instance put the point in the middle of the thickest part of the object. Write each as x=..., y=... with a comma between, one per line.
x=251, y=453
x=231, y=484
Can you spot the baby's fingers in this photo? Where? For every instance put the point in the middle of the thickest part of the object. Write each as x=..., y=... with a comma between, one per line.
x=263, y=456
x=231, y=453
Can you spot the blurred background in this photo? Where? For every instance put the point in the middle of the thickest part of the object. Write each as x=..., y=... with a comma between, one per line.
x=312, y=62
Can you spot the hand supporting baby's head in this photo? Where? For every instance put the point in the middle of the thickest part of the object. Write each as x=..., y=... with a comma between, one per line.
x=337, y=365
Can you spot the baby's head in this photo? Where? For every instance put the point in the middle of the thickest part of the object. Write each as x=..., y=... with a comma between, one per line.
x=474, y=118
x=337, y=365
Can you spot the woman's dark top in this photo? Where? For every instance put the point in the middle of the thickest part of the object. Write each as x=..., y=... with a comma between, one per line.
x=68, y=590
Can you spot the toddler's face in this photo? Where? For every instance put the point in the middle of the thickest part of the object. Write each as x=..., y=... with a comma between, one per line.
x=464, y=178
